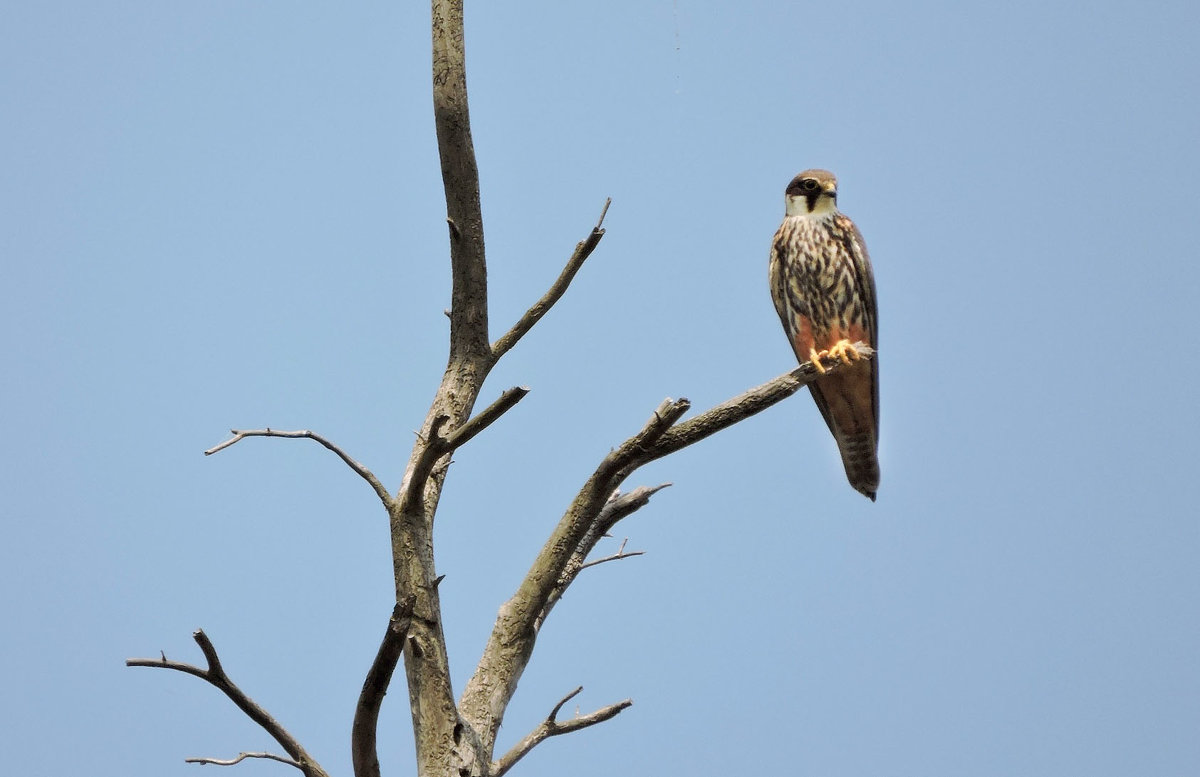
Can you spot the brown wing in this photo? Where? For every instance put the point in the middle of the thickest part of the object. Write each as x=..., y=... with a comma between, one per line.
x=864, y=281
x=849, y=398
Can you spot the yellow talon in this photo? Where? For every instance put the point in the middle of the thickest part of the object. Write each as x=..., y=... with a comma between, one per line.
x=844, y=350
x=815, y=358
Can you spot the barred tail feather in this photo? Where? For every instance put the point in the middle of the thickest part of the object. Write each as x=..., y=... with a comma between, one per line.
x=846, y=400
x=861, y=462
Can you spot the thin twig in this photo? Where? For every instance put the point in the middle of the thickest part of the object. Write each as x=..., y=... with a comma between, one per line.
x=363, y=472
x=620, y=554
x=366, y=715
x=526, y=322
x=599, y=505
x=562, y=703
x=283, y=759
x=618, y=507
x=551, y=727
x=215, y=675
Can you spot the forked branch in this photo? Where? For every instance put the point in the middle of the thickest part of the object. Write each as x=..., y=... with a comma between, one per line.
x=586, y=520
x=620, y=554
x=552, y=727
x=362, y=471
x=477, y=423
x=618, y=507
x=437, y=445
x=215, y=675
x=583, y=250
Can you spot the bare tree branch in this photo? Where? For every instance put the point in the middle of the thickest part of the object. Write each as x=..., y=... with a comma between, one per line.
x=621, y=505
x=429, y=448
x=743, y=406
x=437, y=446
x=562, y=703
x=215, y=676
x=665, y=415
x=460, y=180
x=620, y=554
x=583, y=250
x=551, y=727
x=513, y=636
x=511, y=643
x=590, y=519
x=615, y=509
x=283, y=759
x=366, y=715
x=362, y=471
x=443, y=743
x=465, y=433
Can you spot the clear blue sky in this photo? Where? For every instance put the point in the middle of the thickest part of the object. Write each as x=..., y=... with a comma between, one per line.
x=229, y=214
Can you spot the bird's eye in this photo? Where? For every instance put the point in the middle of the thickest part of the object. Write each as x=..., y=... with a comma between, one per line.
x=809, y=185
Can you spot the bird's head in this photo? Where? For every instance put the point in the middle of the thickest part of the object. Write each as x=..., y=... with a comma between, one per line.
x=812, y=193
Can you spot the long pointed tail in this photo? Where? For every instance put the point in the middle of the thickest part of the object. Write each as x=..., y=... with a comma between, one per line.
x=846, y=399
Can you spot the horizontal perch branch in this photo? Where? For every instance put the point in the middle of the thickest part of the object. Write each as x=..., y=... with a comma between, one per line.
x=743, y=406
x=363, y=472
x=215, y=676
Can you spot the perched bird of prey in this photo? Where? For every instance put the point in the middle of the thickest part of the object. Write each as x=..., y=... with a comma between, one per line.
x=824, y=292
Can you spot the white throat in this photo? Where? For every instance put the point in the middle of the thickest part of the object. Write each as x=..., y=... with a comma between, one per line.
x=798, y=206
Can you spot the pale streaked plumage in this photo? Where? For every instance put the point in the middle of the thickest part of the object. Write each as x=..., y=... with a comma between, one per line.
x=824, y=292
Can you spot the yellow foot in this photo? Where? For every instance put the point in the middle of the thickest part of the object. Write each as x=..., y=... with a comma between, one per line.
x=844, y=350
x=815, y=358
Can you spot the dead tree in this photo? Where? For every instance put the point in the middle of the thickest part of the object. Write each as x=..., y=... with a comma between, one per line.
x=456, y=737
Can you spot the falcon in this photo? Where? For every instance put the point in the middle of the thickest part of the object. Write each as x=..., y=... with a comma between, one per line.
x=824, y=292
